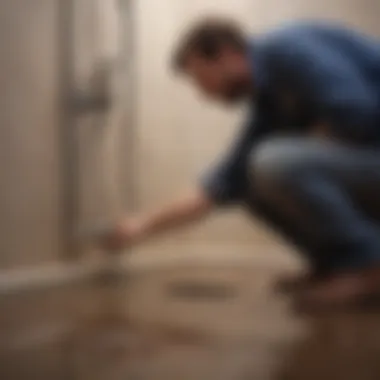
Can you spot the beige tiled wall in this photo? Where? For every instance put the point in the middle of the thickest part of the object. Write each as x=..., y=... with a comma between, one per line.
x=29, y=164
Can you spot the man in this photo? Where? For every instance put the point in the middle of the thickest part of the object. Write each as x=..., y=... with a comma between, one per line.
x=307, y=161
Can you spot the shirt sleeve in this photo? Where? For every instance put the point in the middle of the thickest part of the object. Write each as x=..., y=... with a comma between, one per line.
x=225, y=183
x=334, y=85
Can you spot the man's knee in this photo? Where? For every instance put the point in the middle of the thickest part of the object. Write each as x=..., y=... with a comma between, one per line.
x=278, y=163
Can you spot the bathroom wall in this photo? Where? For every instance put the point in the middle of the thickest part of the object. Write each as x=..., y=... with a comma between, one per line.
x=179, y=134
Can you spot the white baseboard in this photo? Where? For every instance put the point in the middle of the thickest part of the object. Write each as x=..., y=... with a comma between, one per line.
x=268, y=255
x=54, y=275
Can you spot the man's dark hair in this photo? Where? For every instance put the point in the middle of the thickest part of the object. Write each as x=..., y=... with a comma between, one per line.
x=206, y=39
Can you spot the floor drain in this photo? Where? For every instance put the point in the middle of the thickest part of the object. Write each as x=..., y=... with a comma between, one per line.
x=199, y=290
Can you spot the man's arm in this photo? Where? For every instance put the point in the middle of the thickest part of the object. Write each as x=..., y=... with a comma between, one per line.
x=189, y=207
x=221, y=186
x=186, y=209
x=330, y=81
x=226, y=183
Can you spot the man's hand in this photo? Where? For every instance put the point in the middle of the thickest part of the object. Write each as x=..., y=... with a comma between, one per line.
x=189, y=208
x=126, y=232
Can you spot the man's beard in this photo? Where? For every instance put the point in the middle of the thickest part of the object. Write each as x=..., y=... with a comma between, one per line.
x=236, y=92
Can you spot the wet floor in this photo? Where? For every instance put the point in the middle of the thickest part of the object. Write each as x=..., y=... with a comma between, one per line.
x=190, y=322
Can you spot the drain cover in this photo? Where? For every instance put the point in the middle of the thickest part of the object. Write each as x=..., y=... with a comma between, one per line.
x=202, y=290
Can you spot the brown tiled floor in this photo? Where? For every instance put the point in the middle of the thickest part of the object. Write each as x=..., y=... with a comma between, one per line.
x=205, y=323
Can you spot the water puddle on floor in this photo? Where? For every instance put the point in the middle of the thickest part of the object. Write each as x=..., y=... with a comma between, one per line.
x=217, y=323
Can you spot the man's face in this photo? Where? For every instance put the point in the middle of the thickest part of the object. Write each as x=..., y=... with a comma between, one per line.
x=225, y=78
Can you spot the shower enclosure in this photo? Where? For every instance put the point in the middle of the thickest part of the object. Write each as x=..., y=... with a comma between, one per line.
x=67, y=124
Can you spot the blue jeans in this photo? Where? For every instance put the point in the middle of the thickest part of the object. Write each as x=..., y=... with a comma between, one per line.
x=323, y=196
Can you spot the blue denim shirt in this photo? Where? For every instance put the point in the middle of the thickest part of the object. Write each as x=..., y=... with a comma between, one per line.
x=333, y=75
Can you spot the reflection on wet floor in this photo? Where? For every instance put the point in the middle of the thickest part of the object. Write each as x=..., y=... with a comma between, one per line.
x=187, y=323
